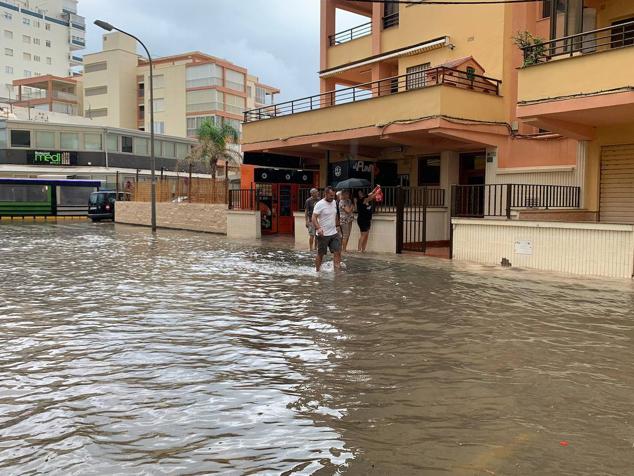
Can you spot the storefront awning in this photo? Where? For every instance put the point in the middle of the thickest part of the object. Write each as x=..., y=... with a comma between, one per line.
x=407, y=51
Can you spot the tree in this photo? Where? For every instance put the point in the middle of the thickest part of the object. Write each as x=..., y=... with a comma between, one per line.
x=214, y=145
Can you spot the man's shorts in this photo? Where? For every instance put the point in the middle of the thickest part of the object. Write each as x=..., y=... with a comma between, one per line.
x=332, y=242
x=311, y=230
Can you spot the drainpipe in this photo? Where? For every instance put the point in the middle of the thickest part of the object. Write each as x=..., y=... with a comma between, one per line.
x=105, y=144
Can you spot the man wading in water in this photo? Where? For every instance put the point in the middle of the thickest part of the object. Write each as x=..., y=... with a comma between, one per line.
x=325, y=221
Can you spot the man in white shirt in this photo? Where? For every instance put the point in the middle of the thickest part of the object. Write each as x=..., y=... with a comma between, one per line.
x=325, y=221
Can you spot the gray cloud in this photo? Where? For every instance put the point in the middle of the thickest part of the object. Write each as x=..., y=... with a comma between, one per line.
x=277, y=40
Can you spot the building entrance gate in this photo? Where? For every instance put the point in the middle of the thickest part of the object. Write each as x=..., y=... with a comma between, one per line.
x=412, y=204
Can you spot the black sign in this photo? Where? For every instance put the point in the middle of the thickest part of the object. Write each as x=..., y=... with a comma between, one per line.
x=263, y=175
x=55, y=158
x=385, y=173
x=273, y=160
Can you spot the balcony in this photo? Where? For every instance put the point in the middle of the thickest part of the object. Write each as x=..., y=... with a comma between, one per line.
x=390, y=21
x=574, y=83
x=430, y=93
x=351, y=34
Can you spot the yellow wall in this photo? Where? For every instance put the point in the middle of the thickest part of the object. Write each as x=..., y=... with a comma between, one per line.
x=427, y=102
x=612, y=10
x=173, y=94
x=580, y=74
x=351, y=51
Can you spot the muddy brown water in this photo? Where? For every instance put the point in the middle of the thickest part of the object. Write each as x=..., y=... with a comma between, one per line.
x=123, y=353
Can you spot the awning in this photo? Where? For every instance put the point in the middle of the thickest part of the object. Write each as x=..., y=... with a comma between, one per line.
x=407, y=51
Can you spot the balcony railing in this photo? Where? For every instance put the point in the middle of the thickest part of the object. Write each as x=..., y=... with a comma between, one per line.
x=390, y=20
x=64, y=95
x=351, y=34
x=384, y=87
x=611, y=37
x=497, y=200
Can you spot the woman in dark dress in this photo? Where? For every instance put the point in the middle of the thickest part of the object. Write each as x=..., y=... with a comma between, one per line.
x=365, y=208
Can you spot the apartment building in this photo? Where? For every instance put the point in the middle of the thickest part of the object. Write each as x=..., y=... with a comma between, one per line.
x=38, y=38
x=188, y=89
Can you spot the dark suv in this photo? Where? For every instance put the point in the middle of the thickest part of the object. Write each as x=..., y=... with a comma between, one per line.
x=101, y=204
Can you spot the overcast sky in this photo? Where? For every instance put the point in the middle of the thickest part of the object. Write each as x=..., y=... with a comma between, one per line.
x=277, y=40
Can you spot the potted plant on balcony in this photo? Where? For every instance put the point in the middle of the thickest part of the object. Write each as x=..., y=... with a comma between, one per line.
x=533, y=47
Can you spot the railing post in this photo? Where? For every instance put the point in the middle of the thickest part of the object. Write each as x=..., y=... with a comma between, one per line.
x=230, y=200
x=547, y=197
x=400, y=215
x=509, y=194
x=424, y=219
x=452, y=213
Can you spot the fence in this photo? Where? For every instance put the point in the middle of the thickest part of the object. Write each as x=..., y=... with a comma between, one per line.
x=182, y=189
x=243, y=199
x=497, y=200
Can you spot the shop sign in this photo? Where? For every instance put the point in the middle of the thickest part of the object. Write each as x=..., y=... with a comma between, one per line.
x=523, y=247
x=52, y=158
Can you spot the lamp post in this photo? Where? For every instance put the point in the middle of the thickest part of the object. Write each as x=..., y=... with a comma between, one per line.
x=108, y=27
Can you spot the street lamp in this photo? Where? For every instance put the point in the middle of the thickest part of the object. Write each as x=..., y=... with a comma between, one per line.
x=108, y=27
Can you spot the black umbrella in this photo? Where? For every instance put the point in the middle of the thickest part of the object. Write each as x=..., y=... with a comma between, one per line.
x=353, y=183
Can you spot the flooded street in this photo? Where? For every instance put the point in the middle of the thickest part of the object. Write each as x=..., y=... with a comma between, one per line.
x=187, y=354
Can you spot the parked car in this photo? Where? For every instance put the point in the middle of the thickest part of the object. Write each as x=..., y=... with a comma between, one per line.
x=101, y=205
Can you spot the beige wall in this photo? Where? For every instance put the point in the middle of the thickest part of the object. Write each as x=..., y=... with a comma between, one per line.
x=173, y=93
x=244, y=225
x=209, y=218
x=576, y=248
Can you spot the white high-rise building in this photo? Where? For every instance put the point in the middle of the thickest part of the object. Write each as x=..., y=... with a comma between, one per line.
x=38, y=37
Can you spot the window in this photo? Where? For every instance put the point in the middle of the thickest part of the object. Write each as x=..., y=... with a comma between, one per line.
x=260, y=95
x=204, y=75
x=26, y=56
x=96, y=91
x=69, y=140
x=204, y=100
x=169, y=150
x=157, y=148
x=416, y=76
x=234, y=80
x=182, y=151
x=8, y=34
x=429, y=171
x=141, y=146
x=36, y=41
x=622, y=35
x=126, y=144
x=36, y=23
x=36, y=58
x=92, y=113
x=48, y=43
x=470, y=73
x=20, y=138
x=8, y=69
x=193, y=124
x=159, y=127
x=45, y=139
x=92, y=141
x=47, y=26
x=234, y=104
x=26, y=21
x=547, y=5
x=159, y=105
x=26, y=39
x=112, y=143
x=27, y=73
x=93, y=67
x=8, y=52
x=49, y=60
x=159, y=81
x=8, y=16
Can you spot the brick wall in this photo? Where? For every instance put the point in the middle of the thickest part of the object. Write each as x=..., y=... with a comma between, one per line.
x=210, y=218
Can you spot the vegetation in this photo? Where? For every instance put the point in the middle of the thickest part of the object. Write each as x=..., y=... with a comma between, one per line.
x=214, y=145
x=532, y=47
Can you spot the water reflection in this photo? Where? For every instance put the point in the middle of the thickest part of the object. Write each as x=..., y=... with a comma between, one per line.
x=124, y=353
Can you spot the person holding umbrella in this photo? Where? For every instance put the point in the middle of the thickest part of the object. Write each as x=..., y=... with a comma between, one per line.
x=365, y=209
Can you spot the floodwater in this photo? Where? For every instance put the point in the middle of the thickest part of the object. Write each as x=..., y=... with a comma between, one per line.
x=123, y=353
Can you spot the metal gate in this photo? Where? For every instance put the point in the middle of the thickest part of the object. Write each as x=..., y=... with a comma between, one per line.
x=412, y=204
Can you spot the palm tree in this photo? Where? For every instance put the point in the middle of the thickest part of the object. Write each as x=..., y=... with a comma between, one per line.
x=214, y=144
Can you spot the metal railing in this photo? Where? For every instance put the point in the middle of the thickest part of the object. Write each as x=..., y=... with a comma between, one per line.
x=351, y=34
x=611, y=37
x=411, y=197
x=498, y=200
x=390, y=20
x=384, y=87
x=243, y=199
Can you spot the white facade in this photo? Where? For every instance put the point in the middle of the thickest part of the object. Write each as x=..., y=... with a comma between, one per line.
x=37, y=38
